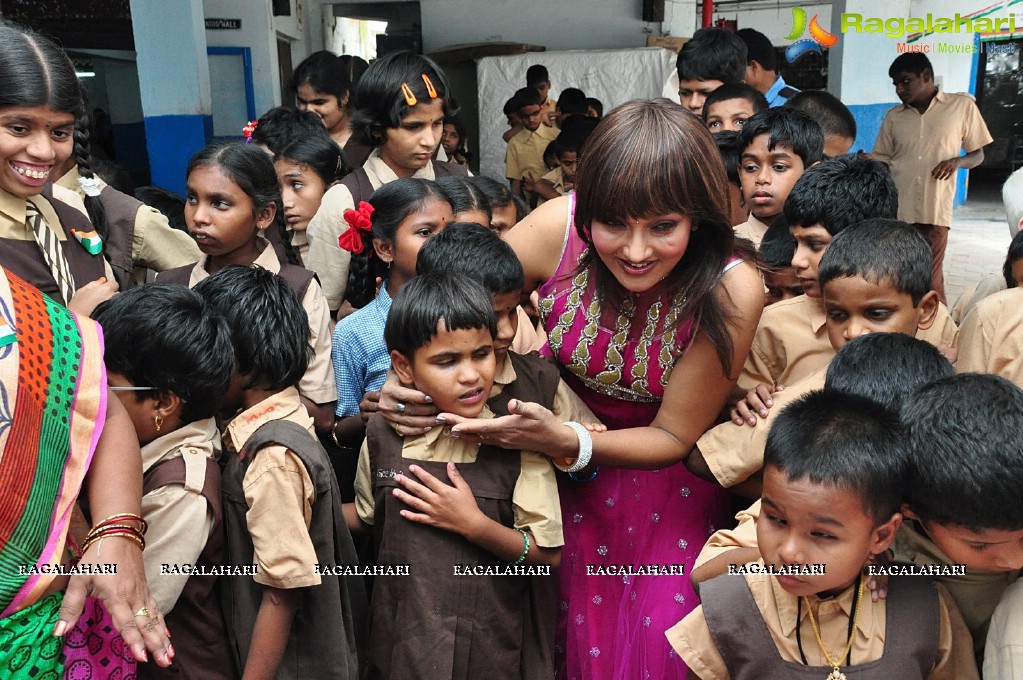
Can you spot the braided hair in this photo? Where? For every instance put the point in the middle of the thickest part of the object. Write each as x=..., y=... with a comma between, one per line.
x=83, y=159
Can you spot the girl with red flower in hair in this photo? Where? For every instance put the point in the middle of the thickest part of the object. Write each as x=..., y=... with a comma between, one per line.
x=391, y=228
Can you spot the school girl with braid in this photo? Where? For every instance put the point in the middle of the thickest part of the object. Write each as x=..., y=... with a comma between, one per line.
x=232, y=198
x=62, y=435
x=44, y=241
x=135, y=236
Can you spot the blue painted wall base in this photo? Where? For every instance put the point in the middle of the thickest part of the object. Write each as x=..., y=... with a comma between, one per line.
x=868, y=123
x=171, y=141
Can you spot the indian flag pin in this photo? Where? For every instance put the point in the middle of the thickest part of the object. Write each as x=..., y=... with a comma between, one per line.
x=7, y=335
x=90, y=240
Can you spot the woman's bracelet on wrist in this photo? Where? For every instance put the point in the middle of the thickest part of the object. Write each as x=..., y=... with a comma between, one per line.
x=585, y=448
x=115, y=526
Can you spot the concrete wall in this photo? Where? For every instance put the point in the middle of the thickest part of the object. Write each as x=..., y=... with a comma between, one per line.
x=772, y=19
x=561, y=25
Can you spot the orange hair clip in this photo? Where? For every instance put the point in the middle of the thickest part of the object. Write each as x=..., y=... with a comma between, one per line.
x=430, y=89
x=410, y=96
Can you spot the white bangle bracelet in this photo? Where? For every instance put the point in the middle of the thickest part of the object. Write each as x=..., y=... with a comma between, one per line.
x=585, y=448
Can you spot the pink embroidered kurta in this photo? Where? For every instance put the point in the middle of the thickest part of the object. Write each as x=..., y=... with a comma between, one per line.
x=619, y=362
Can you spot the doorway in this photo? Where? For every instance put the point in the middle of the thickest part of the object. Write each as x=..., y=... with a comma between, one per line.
x=373, y=29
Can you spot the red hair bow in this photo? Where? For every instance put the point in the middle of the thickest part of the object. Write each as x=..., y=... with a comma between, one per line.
x=358, y=222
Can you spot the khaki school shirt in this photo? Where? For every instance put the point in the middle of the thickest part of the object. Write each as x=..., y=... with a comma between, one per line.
x=155, y=243
x=991, y=339
x=317, y=384
x=733, y=452
x=525, y=153
x=179, y=516
x=992, y=283
x=912, y=143
x=752, y=229
x=791, y=342
x=692, y=640
x=280, y=496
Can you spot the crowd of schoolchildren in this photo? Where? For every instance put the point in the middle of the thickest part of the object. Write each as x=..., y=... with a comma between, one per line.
x=367, y=451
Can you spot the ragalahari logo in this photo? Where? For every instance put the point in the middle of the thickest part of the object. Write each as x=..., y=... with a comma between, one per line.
x=819, y=38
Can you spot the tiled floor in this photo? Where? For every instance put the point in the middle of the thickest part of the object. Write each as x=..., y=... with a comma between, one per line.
x=976, y=245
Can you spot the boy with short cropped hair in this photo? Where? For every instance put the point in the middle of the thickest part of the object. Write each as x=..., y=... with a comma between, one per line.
x=777, y=146
x=791, y=341
x=492, y=509
x=571, y=102
x=729, y=106
x=922, y=141
x=524, y=164
x=710, y=59
x=834, y=117
x=834, y=479
x=539, y=79
x=965, y=509
x=281, y=496
x=875, y=280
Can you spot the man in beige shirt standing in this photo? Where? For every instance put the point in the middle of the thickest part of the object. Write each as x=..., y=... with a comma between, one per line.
x=920, y=141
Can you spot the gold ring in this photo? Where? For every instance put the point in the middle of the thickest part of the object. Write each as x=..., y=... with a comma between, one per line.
x=143, y=611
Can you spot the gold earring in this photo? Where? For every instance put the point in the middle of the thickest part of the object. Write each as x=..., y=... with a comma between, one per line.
x=158, y=421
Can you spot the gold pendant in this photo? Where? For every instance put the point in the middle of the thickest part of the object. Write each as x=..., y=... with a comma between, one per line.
x=836, y=674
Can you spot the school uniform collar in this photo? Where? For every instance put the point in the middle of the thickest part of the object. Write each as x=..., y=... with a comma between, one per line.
x=939, y=98
x=772, y=94
x=438, y=445
x=200, y=436
x=376, y=168
x=13, y=207
x=279, y=406
x=815, y=313
x=505, y=374
x=544, y=132
x=267, y=260
x=788, y=605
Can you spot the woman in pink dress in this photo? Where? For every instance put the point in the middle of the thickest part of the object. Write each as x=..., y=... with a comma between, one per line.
x=650, y=313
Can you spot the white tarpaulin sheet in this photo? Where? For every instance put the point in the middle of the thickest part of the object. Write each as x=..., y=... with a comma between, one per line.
x=612, y=76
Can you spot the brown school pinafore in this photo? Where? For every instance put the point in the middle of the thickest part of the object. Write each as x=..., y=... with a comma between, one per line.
x=910, y=646
x=197, y=621
x=432, y=624
x=121, y=211
x=298, y=278
x=330, y=620
x=24, y=258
